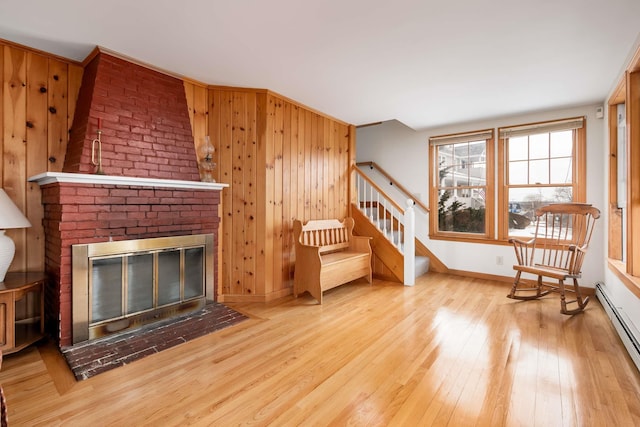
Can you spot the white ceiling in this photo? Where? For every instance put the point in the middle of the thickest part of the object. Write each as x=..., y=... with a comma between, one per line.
x=425, y=63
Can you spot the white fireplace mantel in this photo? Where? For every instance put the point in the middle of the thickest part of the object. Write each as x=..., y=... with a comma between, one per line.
x=83, y=178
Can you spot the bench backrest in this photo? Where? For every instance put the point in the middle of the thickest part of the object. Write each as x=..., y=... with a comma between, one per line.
x=328, y=234
x=562, y=228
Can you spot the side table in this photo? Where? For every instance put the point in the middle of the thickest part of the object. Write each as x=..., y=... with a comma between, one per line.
x=21, y=310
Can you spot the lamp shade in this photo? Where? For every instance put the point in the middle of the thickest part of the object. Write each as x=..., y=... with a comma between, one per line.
x=10, y=215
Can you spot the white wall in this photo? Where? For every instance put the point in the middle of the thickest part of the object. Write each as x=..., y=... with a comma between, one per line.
x=404, y=154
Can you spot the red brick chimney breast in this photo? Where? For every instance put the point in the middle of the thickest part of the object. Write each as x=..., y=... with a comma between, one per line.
x=144, y=118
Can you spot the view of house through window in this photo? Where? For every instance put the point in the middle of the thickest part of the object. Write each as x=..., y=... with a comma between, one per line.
x=461, y=182
x=538, y=164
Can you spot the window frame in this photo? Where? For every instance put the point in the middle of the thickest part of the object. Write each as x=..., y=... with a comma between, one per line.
x=579, y=168
x=627, y=270
x=434, y=162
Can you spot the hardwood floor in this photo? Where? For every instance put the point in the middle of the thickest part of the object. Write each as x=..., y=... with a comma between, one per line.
x=449, y=351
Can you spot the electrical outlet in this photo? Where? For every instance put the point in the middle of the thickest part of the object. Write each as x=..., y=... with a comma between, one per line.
x=499, y=260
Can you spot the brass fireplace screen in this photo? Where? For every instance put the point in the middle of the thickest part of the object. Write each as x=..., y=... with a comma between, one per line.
x=125, y=284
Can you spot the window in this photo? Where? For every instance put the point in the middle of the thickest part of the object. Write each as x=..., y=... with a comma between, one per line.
x=541, y=163
x=462, y=185
x=624, y=179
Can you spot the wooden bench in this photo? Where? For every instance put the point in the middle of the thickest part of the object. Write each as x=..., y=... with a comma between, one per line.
x=328, y=255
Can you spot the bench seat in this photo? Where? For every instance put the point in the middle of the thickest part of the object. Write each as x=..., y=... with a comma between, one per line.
x=329, y=255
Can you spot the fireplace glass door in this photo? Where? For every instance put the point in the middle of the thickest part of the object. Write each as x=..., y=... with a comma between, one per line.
x=134, y=282
x=130, y=284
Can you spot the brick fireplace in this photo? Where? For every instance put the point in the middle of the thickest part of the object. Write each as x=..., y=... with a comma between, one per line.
x=151, y=184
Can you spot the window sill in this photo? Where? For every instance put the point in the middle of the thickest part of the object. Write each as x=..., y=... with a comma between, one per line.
x=465, y=239
x=620, y=270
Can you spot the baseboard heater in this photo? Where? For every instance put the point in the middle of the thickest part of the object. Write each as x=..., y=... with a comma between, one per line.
x=627, y=332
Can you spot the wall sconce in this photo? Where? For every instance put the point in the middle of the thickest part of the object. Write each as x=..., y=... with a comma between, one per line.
x=205, y=160
x=10, y=217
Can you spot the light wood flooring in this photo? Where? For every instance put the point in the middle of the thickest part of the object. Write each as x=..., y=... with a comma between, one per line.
x=450, y=351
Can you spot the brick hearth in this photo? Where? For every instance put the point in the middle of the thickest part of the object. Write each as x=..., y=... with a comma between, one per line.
x=101, y=355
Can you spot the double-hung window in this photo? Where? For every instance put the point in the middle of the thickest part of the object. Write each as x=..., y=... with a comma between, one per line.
x=540, y=163
x=461, y=178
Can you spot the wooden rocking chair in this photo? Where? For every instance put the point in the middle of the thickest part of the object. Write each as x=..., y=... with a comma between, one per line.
x=556, y=251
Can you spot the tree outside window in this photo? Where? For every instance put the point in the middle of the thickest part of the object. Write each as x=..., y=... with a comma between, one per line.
x=461, y=185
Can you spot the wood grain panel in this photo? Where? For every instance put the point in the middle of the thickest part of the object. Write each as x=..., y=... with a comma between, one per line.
x=37, y=116
x=270, y=194
x=278, y=166
x=75, y=73
x=200, y=115
x=226, y=155
x=188, y=94
x=238, y=146
x=58, y=132
x=288, y=179
x=250, y=169
x=14, y=147
x=283, y=162
x=26, y=96
x=262, y=141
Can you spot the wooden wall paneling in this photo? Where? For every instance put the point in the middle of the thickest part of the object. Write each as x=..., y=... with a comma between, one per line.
x=283, y=162
x=351, y=158
x=217, y=132
x=238, y=184
x=296, y=202
x=348, y=190
x=322, y=176
x=343, y=170
x=200, y=116
x=188, y=94
x=278, y=236
x=340, y=167
x=226, y=171
x=330, y=160
x=58, y=134
x=270, y=193
x=74, y=82
x=249, y=182
x=309, y=165
x=14, y=146
x=288, y=204
x=261, y=196
x=300, y=164
x=316, y=170
x=37, y=162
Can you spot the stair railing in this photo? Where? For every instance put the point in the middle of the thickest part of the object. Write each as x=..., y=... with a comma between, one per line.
x=392, y=183
x=397, y=224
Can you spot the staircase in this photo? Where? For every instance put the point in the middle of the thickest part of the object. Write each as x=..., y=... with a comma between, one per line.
x=392, y=227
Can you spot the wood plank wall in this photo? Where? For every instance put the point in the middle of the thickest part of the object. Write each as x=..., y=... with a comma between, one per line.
x=283, y=161
x=37, y=102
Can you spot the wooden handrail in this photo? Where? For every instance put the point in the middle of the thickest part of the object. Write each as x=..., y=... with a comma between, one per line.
x=394, y=183
x=380, y=190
